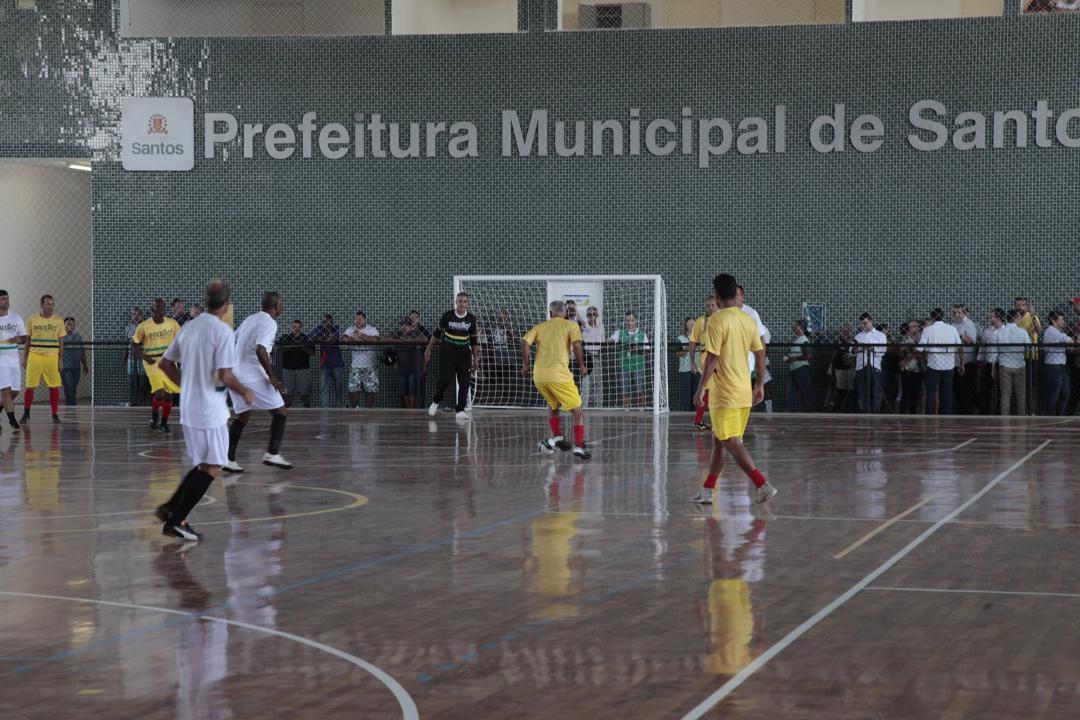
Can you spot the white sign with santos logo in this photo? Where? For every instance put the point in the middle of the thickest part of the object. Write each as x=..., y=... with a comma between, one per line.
x=158, y=134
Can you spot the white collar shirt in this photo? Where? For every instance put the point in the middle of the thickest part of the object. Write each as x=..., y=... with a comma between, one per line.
x=940, y=358
x=1053, y=336
x=874, y=354
x=967, y=327
x=1010, y=357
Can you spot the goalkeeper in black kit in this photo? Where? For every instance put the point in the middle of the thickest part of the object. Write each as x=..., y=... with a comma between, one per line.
x=456, y=334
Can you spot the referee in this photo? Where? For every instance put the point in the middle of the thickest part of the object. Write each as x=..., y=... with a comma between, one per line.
x=456, y=334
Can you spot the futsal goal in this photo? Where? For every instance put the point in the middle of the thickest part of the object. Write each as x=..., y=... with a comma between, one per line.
x=623, y=320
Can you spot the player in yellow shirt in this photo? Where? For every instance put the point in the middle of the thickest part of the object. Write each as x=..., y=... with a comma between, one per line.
x=151, y=339
x=697, y=342
x=45, y=332
x=730, y=336
x=554, y=339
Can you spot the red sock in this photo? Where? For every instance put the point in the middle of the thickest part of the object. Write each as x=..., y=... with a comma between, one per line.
x=710, y=481
x=554, y=423
x=166, y=410
x=54, y=399
x=28, y=398
x=699, y=416
x=579, y=435
x=155, y=405
x=757, y=478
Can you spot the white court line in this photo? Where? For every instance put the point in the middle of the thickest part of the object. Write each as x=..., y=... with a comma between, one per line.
x=881, y=528
x=408, y=707
x=882, y=588
x=743, y=675
x=210, y=500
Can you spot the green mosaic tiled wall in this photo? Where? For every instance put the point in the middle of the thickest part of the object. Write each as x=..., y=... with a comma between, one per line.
x=895, y=232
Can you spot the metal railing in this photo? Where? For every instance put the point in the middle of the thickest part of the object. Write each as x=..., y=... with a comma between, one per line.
x=835, y=378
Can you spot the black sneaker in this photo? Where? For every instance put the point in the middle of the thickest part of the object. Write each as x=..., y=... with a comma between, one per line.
x=182, y=531
x=15, y=427
x=25, y=417
x=154, y=423
x=164, y=427
x=163, y=513
x=55, y=419
x=700, y=426
x=564, y=445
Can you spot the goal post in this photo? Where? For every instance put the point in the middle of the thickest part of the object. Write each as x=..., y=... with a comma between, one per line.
x=624, y=332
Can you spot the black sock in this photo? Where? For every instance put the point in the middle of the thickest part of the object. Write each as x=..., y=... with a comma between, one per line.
x=235, y=430
x=11, y=418
x=174, y=501
x=194, y=489
x=277, y=433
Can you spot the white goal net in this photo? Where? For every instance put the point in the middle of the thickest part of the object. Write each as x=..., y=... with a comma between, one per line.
x=624, y=325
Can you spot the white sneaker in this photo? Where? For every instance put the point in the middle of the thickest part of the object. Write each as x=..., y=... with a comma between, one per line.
x=276, y=461
x=547, y=446
x=233, y=467
x=764, y=494
x=704, y=497
x=461, y=416
x=580, y=452
x=433, y=409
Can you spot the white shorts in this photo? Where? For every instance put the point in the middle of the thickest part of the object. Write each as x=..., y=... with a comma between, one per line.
x=210, y=447
x=266, y=396
x=11, y=377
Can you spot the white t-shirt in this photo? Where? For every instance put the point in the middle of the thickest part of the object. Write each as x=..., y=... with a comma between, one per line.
x=940, y=358
x=987, y=337
x=761, y=331
x=257, y=329
x=363, y=358
x=967, y=327
x=204, y=346
x=1053, y=336
x=11, y=326
x=872, y=337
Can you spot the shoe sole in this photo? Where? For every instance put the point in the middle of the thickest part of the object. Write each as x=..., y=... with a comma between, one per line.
x=276, y=465
x=230, y=470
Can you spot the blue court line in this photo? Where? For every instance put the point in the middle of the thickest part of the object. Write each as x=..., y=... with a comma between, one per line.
x=358, y=567
x=534, y=627
x=332, y=574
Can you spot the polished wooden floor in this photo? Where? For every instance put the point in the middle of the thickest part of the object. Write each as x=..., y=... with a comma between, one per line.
x=909, y=568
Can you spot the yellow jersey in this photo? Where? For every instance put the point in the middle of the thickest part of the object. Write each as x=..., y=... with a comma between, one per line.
x=553, y=339
x=45, y=334
x=155, y=338
x=697, y=335
x=731, y=334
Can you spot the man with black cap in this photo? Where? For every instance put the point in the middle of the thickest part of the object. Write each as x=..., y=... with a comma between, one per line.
x=207, y=350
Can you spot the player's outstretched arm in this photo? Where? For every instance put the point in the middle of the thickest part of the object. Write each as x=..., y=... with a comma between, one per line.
x=526, y=352
x=759, y=384
x=580, y=355
x=706, y=372
x=267, y=366
x=172, y=372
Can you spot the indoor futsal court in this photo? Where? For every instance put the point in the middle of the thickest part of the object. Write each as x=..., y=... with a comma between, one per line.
x=539, y=360
x=910, y=567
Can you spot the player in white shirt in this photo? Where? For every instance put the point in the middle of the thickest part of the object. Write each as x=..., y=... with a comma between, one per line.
x=12, y=335
x=740, y=302
x=207, y=351
x=254, y=343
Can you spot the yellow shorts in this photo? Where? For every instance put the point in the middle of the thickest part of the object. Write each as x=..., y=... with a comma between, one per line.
x=558, y=394
x=729, y=423
x=42, y=365
x=159, y=380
